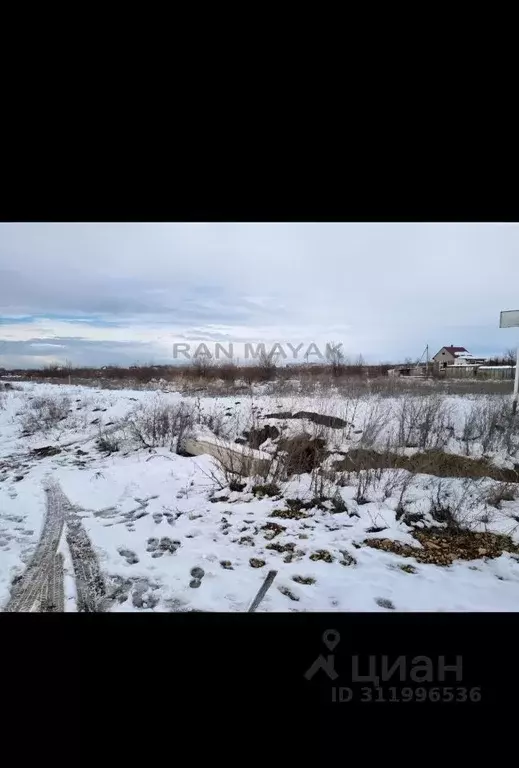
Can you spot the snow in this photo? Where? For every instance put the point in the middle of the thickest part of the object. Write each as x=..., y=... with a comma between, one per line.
x=69, y=582
x=136, y=495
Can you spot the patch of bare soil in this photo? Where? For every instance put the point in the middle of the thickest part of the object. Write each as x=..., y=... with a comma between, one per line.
x=256, y=437
x=46, y=450
x=316, y=418
x=427, y=463
x=441, y=546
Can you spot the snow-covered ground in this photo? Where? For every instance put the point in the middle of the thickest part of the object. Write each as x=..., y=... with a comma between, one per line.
x=153, y=516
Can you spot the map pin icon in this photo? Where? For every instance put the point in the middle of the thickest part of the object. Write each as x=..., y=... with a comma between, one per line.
x=331, y=639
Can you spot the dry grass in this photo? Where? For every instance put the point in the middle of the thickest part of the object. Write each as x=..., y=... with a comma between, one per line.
x=349, y=380
x=443, y=547
x=44, y=413
x=429, y=463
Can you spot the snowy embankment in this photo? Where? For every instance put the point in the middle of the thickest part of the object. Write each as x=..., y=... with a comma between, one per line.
x=170, y=534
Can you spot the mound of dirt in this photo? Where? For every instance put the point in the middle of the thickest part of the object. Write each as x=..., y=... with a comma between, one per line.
x=303, y=453
x=46, y=450
x=256, y=437
x=427, y=463
x=317, y=418
x=322, y=419
x=443, y=547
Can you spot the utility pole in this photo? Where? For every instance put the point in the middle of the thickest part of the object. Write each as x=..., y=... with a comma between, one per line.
x=510, y=319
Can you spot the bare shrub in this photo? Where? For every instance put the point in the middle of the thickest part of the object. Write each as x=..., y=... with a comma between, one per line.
x=162, y=424
x=323, y=485
x=2, y=400
x=397, y=480
x=216, y=420
x=499, y=492
x=202, y=365
x=108, y=443
x=376, y=418
x=435, y=425
x=228, y=371
x=497, y=418
x=405, y=482
x=293, y=456
x=44, y=413
x=423, y=422
x=472, y=426
x=232, y=464
x=365, y=480
x=491, y=423
x=288, y=387
x=267, y=364
x=456, y=506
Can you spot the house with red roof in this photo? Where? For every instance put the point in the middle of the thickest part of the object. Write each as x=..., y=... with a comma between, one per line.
x=456, y=356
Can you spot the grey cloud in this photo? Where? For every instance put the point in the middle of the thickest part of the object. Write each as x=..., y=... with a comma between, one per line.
x=80, y=353
x=389, y=288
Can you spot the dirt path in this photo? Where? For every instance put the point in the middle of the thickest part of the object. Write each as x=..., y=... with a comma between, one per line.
x=41, y=586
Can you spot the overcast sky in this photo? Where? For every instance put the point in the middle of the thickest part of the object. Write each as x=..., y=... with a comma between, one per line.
x=124, y=293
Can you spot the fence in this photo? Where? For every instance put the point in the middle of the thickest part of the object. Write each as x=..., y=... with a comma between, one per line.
x=496, y=372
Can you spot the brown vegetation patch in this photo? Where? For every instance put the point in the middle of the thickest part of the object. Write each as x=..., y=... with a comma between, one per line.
x=297, y=508
x=273, y=529
x=303, y=579
x=256, y=437
x=321, y=419
x=322, y=554
x=428, y=463
x=281, y=548
x=46, y=450
x=288, y=593
x=303, y=453
x=442, y=547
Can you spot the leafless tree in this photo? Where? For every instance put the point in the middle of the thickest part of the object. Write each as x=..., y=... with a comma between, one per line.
x=335, y=357
x=267, y=364
x=202, y=365
x=228, y=371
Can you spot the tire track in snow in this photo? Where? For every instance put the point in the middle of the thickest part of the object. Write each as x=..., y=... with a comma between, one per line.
x=32, y=590
x=41, y=587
